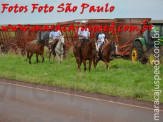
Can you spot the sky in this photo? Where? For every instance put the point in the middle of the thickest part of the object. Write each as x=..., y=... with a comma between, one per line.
x=123, y=9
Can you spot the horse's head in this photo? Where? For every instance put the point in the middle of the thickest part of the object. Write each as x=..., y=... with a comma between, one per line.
x=61, y=39
x=113, y=47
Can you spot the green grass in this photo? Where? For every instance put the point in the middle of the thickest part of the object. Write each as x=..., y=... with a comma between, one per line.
x=124, y=78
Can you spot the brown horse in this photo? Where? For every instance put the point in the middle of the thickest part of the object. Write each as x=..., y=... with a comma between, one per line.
x=106, y=52
x=35, y=48
x=87, y=52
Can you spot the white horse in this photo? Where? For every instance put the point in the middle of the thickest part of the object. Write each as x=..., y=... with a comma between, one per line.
x=59, y=50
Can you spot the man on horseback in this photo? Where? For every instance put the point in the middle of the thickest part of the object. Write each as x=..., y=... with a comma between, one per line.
x=84, y=49
x=101, y=39
x=54, y=38
x=83, y=34
x=42, y=36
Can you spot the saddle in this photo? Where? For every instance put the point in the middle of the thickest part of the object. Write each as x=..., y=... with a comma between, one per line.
x=54, y=44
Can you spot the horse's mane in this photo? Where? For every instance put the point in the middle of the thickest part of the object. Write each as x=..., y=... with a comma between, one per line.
x=41, y=41
x=107, y=44
x=91, y=42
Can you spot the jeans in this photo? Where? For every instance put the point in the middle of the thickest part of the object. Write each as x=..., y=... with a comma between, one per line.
x=83, y=42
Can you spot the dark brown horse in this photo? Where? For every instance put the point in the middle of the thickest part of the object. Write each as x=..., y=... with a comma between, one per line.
x=35, y=48
x=106, y=52
x=87, y=52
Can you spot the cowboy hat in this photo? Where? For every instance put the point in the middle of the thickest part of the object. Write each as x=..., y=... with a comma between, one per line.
x=83, y=22
x=101, y=29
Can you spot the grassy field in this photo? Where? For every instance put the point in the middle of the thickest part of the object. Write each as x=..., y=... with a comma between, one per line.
x=124, y=78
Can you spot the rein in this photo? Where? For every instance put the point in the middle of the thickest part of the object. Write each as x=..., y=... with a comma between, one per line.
x=59, y=49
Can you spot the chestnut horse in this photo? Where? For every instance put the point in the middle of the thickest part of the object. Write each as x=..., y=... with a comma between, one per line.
x=35, y=48
x=88, y=52
x=106, y=52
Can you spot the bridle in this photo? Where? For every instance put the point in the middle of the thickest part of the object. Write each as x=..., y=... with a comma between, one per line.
x=60, y=49
x=112, y=47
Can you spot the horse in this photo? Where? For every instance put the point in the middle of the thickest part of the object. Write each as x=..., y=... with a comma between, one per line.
x=106, y=52
x=1, y=47
x=59, y=50
x=35, y=48
x=87, y=52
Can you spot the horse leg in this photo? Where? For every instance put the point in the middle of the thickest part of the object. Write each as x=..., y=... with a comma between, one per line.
x=94, y=63
x=30, y=56
x=107, y=63
x=54, y=56
x=37, y=57
x=107, y=66
x=78, y=63
x=42, y=58
x=27, y=56
x=84, y=62
x=90, y=62
x=49, y=54
x=57, y=58
x=61, y=58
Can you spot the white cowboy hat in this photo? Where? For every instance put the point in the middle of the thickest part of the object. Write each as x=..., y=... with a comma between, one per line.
x=83, y=22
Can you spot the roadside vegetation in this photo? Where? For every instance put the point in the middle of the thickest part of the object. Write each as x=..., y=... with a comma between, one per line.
x=124, y=78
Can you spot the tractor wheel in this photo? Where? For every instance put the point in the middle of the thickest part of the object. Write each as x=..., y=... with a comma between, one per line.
x=151, y=56
x=136, y=51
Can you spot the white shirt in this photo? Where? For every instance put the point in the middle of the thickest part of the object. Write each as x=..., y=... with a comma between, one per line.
x=84, y=33
x=54, y=34
x=101, y=37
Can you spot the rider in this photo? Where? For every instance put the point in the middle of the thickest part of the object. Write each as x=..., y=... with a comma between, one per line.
x=83, y=34
x=42, y=35
x=101, y=39
x=54, y=38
